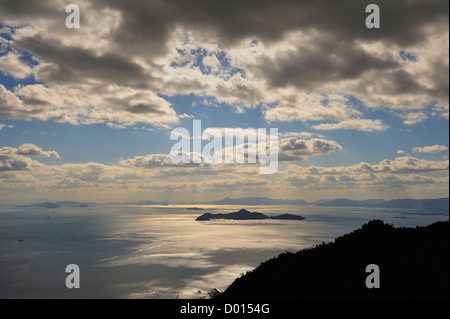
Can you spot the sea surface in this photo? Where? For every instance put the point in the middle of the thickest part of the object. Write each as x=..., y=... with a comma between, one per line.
x=159, y=251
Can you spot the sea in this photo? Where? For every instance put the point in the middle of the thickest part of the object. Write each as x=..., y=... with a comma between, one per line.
x=160, y=252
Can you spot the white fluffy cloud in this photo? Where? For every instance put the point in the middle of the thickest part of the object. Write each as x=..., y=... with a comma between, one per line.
x=430, y=149
x=16, y=159
x=28, y=150
x=355, y=124
x=293, y=149
x=400, y=165
x=12, y=65
x=413, y=118
x=34, y=150
x=163, y=160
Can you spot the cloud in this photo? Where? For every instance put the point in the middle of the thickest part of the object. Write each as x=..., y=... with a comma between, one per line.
x=34, y=150
x=10, y=161
x=15, y=159
x=149, y=161
x=402, y=176
x=400, y=152
x=300, y=181
x=412, y=118
x=289, y=149
x=162, y=160
x=310, y=107
x=2, y=126
x=430, y=149
x=186, y=116
x=235, y=184
x=28, y=150
x=16, y=163
x=364, y=125
x=400, y=165
x=366, y=182
x=10, y=105
x=116, y=126
x=116, y=67
x=292, y=148
x=408, y=164
x=12, y=65
x=74, y=105
x=305, y=135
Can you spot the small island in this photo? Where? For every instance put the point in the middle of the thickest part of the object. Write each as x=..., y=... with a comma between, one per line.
x=194, y=208
x=244, y=214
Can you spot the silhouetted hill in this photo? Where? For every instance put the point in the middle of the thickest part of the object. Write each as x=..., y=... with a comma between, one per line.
x=244, y=214
x=438, y=204
x=413, y=262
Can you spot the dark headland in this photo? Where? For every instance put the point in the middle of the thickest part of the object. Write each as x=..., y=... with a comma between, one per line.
x=244, y=214
x=413, y=263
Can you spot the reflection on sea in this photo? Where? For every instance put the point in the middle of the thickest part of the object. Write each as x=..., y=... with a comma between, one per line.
x=158, y=251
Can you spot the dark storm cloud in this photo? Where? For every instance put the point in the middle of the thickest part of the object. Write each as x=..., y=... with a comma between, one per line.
x=78, y=64
x=144, y=108
x=30, y=8
x=402, y=22
x=146, y=24
x=328, y=60
x=333, y=52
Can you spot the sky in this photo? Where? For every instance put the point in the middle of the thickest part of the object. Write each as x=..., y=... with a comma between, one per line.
x=86, y=113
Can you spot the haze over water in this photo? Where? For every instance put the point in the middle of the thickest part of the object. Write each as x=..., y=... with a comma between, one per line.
x=159, y=251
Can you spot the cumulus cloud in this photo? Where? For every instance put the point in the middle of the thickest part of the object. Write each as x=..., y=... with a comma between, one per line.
x=292, y=148
x=125, y=56
x=315, y=63
x=366, y=182
x=16, y=163
x=412, y=118
x=163, y=160
x=28, y=150
x=305, y=135
x=404, y=177
x=400, y=165
x=364, y=125
x=11, y=64
x=116, y=126
x=289, y=149
x=34, y=150
x=430, y=149
x=15, y=159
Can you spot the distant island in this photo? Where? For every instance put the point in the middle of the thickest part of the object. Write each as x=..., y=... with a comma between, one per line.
x=244, y=214
x=413, y=263
x=437, y=204
x=58, y=204
x=149, y=202
x=257, y=201
x=440, y=205
x=194, y=208
x=428, y=206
